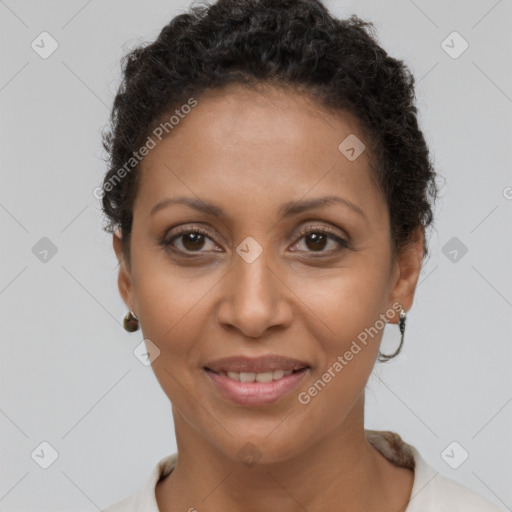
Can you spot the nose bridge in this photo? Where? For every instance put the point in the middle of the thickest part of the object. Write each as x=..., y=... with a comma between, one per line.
x=253, y=278
x=252, y=298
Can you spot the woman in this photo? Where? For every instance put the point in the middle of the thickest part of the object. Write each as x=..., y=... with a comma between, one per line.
x=269, y=193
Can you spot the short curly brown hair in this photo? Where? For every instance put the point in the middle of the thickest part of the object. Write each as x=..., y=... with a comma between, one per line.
x=293, y=43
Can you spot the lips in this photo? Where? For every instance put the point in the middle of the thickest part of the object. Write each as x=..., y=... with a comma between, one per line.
x=264, y=364
x=255, y=393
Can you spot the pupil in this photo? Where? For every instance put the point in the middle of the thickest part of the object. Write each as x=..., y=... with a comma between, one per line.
x=317, y=239
x=196, y=239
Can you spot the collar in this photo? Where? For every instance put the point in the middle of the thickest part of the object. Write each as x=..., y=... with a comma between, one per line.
x=389, y=444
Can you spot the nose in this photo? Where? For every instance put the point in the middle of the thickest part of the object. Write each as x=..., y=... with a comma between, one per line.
x=255, y=297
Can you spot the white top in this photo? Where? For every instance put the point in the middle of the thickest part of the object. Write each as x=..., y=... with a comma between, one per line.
x=431, y=492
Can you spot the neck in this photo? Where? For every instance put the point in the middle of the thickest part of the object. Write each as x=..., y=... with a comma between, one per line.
x=341, y=472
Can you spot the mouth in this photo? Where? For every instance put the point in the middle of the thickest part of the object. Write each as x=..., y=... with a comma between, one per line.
x=252, y=389
x=263, y=364
x=247, y=377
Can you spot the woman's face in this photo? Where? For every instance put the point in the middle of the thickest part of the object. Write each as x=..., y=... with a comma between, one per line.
x=249, y=283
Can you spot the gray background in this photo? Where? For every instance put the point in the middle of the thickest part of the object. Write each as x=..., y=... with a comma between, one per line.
x=68, y=373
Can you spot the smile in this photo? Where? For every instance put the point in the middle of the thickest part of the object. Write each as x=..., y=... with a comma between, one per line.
x=257, y=377
x=256, y=389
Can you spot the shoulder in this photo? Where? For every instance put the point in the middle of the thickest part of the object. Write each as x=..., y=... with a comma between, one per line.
x=145, y=499
x=130, y=504
x=445, y=494
x=432, y=491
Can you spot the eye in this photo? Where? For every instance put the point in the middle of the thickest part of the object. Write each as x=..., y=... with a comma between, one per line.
x=316, y=239
x=194, y=239
x=191, y=240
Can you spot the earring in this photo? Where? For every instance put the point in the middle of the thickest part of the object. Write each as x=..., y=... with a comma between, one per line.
x=401, y=326
x=130, y=322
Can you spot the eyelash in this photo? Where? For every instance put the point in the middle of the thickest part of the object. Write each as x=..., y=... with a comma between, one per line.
x=167, y=243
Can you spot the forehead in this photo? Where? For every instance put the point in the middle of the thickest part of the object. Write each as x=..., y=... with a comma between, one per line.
x=265, y=114
x=241, y=142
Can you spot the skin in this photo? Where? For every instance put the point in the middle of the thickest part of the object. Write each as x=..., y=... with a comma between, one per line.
x=249, y=152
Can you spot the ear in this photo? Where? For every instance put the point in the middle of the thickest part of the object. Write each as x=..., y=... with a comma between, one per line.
x=124, y=279
x=406, y=271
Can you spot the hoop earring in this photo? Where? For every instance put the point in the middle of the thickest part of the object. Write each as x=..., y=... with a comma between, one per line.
x=130, y=322
x=401, y=326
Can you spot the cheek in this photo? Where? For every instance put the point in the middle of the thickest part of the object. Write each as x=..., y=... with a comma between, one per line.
x=341, y=312
x=169, y=298
x=173, y=320
x=172, y=311
x=175, y=326
x=347, y=328
x=341, y=304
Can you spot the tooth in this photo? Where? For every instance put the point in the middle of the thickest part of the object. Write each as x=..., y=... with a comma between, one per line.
x=247, y=377
x=277, y=374
x=264, y=377
x=257, y=377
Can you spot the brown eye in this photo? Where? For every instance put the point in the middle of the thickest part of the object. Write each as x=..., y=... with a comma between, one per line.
x=190, y=240
x=193, y=241
x=317, y=240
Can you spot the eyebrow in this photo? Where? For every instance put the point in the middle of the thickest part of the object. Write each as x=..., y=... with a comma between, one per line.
x=287, y=209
